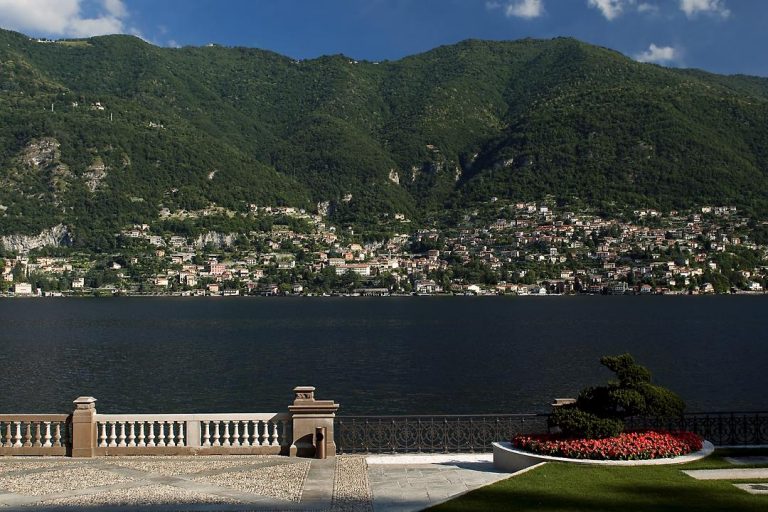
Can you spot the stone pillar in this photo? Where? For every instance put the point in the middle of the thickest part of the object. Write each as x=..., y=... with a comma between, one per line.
x=308, y=414
x=192, y=433
x=84, y=427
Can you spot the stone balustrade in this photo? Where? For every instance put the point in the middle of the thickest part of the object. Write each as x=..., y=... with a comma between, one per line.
x=193, y=433
x=86, y=433
x=34, y=434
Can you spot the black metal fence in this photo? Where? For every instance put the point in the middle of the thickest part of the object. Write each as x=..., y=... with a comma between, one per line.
x=720, y=428
x=475, y=433
x=431, y=434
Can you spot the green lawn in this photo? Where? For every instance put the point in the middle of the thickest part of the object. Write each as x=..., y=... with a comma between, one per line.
x=561, y=487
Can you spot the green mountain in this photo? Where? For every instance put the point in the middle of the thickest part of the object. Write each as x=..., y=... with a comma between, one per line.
x=104, y=132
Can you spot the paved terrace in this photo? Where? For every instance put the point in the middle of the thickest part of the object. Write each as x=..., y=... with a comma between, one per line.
x=241, y=482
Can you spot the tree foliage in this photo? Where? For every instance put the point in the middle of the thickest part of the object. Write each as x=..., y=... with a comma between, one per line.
x=600, y=411
x=182, y=128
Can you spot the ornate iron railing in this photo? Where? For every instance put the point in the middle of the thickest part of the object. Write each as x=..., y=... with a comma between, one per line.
x=475, y=433
x=720, y=428
x=430, y=434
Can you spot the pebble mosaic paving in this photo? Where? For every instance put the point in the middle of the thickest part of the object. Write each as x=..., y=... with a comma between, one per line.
x=239, y=483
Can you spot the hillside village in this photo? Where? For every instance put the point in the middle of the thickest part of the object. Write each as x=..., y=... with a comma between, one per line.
x=496, y=248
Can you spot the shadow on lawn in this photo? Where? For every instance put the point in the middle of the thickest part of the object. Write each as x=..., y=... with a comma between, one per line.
x=614, y=498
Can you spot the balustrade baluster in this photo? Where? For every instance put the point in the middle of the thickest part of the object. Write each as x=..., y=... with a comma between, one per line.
x=142, y=440
x=226, y=442
x=38, y=438
x=246, y=434
x=112, y=434
x=47, y=443
x=216, y=436
x=181, y=435
x=28, y=435
x=161, y=435
x=236, y=434
x=8, y=434
x=57, y=441
x=274, y=433
x=259, y=437
x=17, y=437
x=206, y=433
x=171, y=435
x=151, y=438
x=122, y=435
x=103, y=435
x=132, y=434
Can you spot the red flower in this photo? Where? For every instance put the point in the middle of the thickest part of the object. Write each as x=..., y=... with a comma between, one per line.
x=627, y=446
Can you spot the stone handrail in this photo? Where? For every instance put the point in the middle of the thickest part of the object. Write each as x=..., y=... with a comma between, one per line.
x=34, y=434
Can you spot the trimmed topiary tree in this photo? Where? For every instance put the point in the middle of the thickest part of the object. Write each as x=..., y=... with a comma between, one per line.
x=600, y=411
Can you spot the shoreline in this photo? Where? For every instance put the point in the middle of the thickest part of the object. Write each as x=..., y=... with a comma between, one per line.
x=357, y=295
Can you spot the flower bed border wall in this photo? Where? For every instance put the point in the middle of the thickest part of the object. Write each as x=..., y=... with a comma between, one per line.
x=508, y=459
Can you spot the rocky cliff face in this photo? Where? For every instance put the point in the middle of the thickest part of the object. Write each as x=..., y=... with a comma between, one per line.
x=55, y=236
x=216, y=239
x=38, y=163
x=94, y=174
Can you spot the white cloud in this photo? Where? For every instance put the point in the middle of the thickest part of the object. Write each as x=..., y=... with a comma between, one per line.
x=611, y=9
x=63, y=17
x=116, y=8
x=693, y=7
x=527, y=9
x=659, y=54
x=646, y=8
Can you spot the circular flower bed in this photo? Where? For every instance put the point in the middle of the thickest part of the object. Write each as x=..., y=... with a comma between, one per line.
x=627, y=446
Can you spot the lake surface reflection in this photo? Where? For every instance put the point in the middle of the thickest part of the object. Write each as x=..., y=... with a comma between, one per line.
x=374, y=356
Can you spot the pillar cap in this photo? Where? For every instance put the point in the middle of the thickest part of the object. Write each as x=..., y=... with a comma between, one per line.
x=85, y=402
x=304, y=392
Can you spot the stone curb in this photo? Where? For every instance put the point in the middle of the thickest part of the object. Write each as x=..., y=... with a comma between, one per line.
x=507, y=458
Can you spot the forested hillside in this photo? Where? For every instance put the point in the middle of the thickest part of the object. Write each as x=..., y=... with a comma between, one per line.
x=104, y=132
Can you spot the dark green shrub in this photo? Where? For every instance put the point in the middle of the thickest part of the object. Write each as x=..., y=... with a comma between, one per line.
x=600, y=410
x=574, y=422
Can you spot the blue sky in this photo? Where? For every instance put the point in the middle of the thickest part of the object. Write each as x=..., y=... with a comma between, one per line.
x=724, y=36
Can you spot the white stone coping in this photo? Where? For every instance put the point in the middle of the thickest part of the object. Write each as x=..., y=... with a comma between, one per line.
x=756, y=488
x=506, y=447
x=728, y=473
x=235, y=416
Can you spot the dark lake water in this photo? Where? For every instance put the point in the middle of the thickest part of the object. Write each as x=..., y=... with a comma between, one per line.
x=373, y=356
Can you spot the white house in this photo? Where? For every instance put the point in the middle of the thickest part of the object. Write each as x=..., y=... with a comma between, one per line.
x=22, y=289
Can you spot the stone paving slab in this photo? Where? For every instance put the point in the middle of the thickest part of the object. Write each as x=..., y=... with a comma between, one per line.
x=759, y=488
x=426, y=458
x=728, y=474
x=752, y=460
x=408, y=483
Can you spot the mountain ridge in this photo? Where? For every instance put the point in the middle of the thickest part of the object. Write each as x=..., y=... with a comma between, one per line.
x=442, y=129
